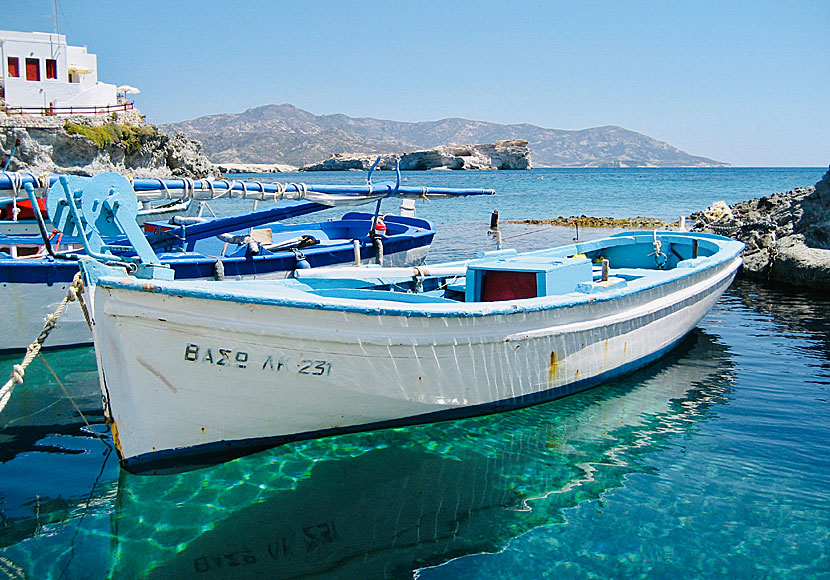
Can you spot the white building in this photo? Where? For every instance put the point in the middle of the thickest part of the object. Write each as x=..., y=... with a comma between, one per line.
x=40, y=72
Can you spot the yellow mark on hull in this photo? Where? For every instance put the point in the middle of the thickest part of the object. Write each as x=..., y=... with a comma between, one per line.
x=552, y=366
x=115, y=439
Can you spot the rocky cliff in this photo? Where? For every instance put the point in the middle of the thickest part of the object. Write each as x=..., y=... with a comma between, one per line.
x=513, y=154
x=287, y=134
x=89, y=144
x=787, y=235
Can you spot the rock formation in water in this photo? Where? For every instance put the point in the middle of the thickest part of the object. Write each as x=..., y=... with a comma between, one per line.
x=89, y=144
x=513, y=154
x=787, y=235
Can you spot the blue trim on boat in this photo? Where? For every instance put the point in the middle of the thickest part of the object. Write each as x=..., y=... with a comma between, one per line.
x=185, y=459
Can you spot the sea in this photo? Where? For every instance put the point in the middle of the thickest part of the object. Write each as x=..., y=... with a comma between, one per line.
x=713, y=462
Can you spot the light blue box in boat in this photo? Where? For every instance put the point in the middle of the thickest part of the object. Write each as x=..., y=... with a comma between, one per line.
x=508, y=278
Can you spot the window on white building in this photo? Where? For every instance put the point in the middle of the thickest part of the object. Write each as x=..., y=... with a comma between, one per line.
x=51, y=68
x=14, y=66
x=32, y=69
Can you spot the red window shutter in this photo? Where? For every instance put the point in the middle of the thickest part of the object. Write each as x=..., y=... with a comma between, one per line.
x=51, y=69
x=14, y=66
x=32, y=69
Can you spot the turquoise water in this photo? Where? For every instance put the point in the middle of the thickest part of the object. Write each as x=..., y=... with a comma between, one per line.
x=712, y=463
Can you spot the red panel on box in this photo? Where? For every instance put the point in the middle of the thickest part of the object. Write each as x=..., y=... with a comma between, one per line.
x=506, y=285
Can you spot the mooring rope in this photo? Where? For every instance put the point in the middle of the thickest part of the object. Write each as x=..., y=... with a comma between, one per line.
x=33, y=349
x=71, y=400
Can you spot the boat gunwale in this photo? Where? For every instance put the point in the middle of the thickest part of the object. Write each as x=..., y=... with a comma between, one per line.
x=293, y=297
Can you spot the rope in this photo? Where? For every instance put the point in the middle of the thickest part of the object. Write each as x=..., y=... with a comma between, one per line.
x=302, y=189
x=34, y=349
x=71, y=400
x=166, y=191
x=660, y=258
x=528, y=233
x=17, y=182
x=279, y=193
x=189, y=187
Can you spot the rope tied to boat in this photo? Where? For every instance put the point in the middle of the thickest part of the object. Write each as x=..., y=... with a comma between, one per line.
x=279, y=193
x=659, y=257
x=16, y=182
x=189, y=187
x=302, y=189
x=19, y=370
x=166, y=191
x=261, y=190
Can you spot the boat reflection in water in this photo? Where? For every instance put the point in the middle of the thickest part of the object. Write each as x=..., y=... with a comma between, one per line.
x=385, y=503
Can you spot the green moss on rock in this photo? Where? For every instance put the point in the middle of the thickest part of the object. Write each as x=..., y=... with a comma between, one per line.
x=108, y=134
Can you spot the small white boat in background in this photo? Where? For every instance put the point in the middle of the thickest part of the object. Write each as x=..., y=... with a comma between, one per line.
x=195, y=372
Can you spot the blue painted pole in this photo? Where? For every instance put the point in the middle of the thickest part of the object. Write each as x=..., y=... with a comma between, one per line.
x=9, y=160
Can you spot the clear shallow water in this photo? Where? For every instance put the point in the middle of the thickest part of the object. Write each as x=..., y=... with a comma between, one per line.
x=712, y=463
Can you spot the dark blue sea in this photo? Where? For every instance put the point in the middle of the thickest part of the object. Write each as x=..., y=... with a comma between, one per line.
x=713, y=462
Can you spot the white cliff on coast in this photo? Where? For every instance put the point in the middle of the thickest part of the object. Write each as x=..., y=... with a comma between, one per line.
x=787, y=235
x=89, y=144
x=512, y=154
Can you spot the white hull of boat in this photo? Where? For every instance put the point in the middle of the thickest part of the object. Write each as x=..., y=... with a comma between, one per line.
x=184, y=375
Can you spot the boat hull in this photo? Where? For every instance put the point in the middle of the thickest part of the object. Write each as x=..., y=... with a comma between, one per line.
x=191, y=380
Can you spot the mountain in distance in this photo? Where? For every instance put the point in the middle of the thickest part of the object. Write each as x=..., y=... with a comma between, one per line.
x=287, y=134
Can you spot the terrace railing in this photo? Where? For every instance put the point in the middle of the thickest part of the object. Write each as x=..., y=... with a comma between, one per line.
x=54, y=111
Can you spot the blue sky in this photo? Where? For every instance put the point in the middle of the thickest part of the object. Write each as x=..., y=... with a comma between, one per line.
x=746, y=82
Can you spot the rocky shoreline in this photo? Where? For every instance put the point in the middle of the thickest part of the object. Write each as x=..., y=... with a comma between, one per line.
x=787, y=235
x=122, y=142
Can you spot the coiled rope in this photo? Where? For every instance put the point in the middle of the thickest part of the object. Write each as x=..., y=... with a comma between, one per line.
x=74, y=293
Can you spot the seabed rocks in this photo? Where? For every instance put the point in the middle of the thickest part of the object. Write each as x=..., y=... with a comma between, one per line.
x=787, y=235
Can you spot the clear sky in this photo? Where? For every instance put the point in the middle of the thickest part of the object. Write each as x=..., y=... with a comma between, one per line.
x=746, y=82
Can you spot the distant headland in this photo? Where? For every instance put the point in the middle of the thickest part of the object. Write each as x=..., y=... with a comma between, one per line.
x=285, y=134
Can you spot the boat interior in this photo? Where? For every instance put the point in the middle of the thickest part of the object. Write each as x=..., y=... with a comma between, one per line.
x=590, y=268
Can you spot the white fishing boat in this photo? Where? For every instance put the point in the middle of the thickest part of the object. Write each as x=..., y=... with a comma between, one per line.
x=195, y=372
